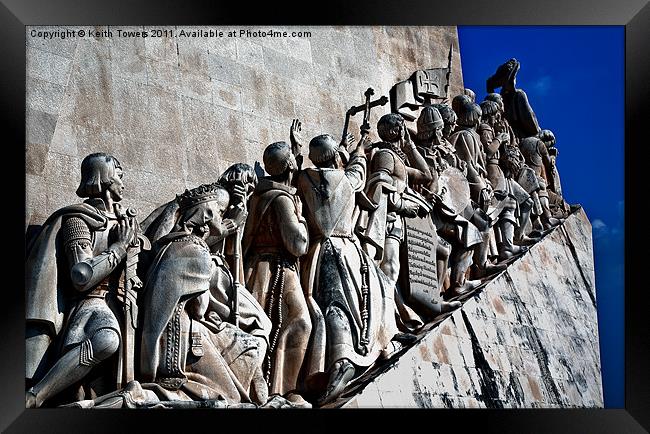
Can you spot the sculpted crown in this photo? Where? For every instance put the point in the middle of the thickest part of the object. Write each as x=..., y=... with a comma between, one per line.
x=200, y=194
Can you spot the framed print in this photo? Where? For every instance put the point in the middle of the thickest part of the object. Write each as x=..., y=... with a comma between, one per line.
x=422, y=207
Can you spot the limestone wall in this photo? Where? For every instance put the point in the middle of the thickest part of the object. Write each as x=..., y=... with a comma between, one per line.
x=529, y=339
x=177, y=111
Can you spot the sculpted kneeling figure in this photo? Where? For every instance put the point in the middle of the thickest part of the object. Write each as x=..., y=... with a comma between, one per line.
x=75, y=290
x=354, y=296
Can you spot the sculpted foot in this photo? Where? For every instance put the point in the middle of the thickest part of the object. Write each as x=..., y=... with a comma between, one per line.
x=31, y=401
x=526, y=240
x=297, y=400
x=341, y=374
x=511, y=251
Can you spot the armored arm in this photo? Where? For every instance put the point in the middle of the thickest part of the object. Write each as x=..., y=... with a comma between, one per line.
x=87, y=270
x=292, y=227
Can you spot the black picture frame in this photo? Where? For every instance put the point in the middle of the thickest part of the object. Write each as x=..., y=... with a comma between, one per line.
x=16, y=14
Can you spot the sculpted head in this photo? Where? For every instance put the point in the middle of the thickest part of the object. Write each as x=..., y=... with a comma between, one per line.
x=279, y=161
x=448, y=117
x=505, y=75
x=470, y=93
x=241, y=173
x=430, y=125
x=497, y=98
x=469, y=114
x=323, y=152
x=390, y=127
x=491, y=114
x=201, y=209
x=101, y=174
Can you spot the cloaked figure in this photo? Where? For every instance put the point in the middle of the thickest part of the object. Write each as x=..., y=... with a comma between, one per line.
x=75, y=290
x=354, y=296
x=275, y=237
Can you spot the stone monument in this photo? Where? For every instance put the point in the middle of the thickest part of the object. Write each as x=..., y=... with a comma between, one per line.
x=419, y=255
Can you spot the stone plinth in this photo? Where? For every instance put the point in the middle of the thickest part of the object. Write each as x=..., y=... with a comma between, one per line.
x=528, y=339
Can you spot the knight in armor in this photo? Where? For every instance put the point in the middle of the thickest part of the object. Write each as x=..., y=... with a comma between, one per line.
x=352, y=292
x=395, y=165
x=493, y=145
x=75, y=288
x=458, y=237
x=275, y=237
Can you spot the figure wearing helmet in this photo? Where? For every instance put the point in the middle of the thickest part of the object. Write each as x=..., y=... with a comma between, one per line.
x=458, y=237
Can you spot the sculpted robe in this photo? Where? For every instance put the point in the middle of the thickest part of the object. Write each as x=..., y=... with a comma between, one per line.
x=187, y=352
x=351, y=291
x=252, y=318
x=272, y=276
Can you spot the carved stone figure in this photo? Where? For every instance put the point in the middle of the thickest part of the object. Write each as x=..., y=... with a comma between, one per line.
x=230, y=298
x=355, y=298
x=559, y=207
x=458, y=236
x=537, y=158
x=487, y=208
x=75, y=290
x=395, y=164
x=518, y=111
x=525, y=176
x=187, y=351
x=449, y=118
x=493, y=146
x=501, y=125
x=274, y=238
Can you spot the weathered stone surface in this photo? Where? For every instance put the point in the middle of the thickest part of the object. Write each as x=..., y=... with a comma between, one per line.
x=185, y=108
x=528, y=339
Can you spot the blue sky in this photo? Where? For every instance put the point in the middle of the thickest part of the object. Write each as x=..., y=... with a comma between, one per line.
x=574, y=78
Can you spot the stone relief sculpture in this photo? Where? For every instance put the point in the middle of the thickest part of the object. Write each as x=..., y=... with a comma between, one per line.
x=76, y=290
x=187, y=350
x=282, y=290
x=275, y=237
x=517, y=109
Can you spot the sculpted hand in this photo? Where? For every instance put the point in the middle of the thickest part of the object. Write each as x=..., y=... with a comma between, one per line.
x=125, y=231
x=238, y=193
x=296, y=136
x=298, y=204
x=364, y=143
x=347, y=141
x=410, y=209
x=503, y=138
